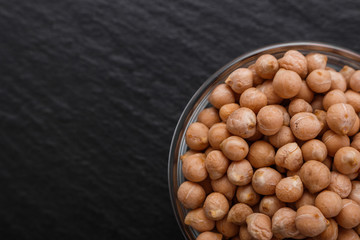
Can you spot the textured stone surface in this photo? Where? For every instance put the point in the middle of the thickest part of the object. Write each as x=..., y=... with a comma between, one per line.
x=91, y=90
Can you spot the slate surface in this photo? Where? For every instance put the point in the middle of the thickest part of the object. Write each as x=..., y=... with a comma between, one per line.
x=91, y=90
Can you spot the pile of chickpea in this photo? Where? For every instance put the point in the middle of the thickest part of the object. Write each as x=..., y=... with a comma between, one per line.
x=277, y=156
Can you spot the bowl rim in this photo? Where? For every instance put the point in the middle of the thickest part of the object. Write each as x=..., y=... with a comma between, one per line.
x=306, y=45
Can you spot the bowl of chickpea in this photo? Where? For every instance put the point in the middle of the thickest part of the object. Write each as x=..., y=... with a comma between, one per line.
x=268, y=147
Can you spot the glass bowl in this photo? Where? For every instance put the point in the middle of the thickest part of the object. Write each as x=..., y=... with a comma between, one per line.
x=337, y=58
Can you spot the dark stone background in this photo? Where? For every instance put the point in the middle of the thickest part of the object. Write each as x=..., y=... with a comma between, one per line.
x=90, y=93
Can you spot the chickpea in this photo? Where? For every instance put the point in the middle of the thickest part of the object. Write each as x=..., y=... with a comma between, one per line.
x=341, y=117
x=235, y=148
x=289, y=156
x=196, y=136
x=316, y=104
x=270, y=119
x=247, y=195
x=298, y=105
x=310, y=221
x=305, y=92
x=188, y=153
x=240, y=80
x=306, y=199
x=337, y=81
x=286, y=115
x=268, y=89
x=270, y=204
x=329, y=203
x=216, y=164
x=191, y=195
x=209, y=236
x=347, y=160
x=240, y=173
x=340, y=184
x=227, y=109
x=242, y=122
x=347, y=72
x=353, y=98
x=356, y=142
x=217, y=133
x=209, y=116
x=314, y=150
x=334, y=141
x=354, y=82
x=289, y=189
x=261, y=154
x=355, y=191
x=349, y=216
x=244, y=233
x=327, y=162
x=305, y=126
x=221, y=95
x=197, y=219
x=257, y=136
x=330, y=233
x=266, y=66
x=316, y=61
x=257, y=80
x=254, y=99
x=282, y=137
x=319, y=80
x=238, y=213
x=355, y=129
x=259, y=226
x=226, y=228
x=283, y=223
x=193, y=167
x=206, y=185
x=347, y=234
x=208, y=150
x=315, y=176
x=264, y=180
x=224, y=186
x=333, y=97
x=286, y=83
x=216, y=206
x=295, y=61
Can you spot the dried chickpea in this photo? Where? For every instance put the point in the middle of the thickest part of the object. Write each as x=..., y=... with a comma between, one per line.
x=347, y=72
x=269, y=205
x=305, y=126
x=226, y=228
x=349, y=216
x=334, y=141
x=330, y=233
x=240, y=172
x=208, y=150
x=298, y=105
x=315, y=176
x=216, y=164
x=329, y=203
x=221, y=95
x=191, y=195
x=261, y=154
x=268, y=89
x=188, y=153
x=314, y=150
x=354, y=81
x=247, y=195
x=282, y=137
x=224, y=186
x=193, y=167
x=216, y=206
x=347, y=160
x=196, y=136
x=356, y=142
x=244, y=233
x=238, y=213
x=341, y=117
x=355, y=129
x=235, y=148
x=285, y=113
x=316, y=104
x=242, y=122
x=254, y=99
x=310, y=221
x=266, y=66
x=217, y=133
x=340, y=184
x=227, y=109
x=286, y=83
x=259, y=226
x=306, y=199
x=209, y=116
x=240, y=80
x=264, y=180
x=333, y=97
x=353, y=98
x=305, y=92
x=295, y=61
x=270, y=119
x=319, y=80
x=289, y=156
x=257, y=80
x=316, y=61
x=355, y=191
x=289, y=189
x=197, y=219
x=337, y=81
x=347, y=234
x=209, y=236
x=283, y=223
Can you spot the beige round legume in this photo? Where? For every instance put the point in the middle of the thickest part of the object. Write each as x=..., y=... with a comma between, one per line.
x=235, y=148
x=266, y=66
x=264, y=180
x=310, y=221
x=224, y=186
x=218, y=133
x=340, y=184
x=240, y=172
x=287, y=83
x=259, y=226
x=295, y=61
x=221, y=95
x=242, y=122
x=270, y=119
x=315, y=176
x=319, y=80
x=197, y=219
x=227, y=109
x=254, y=99
x=316, y=61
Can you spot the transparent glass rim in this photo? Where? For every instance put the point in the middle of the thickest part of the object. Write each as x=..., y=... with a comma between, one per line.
x=211, y=81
